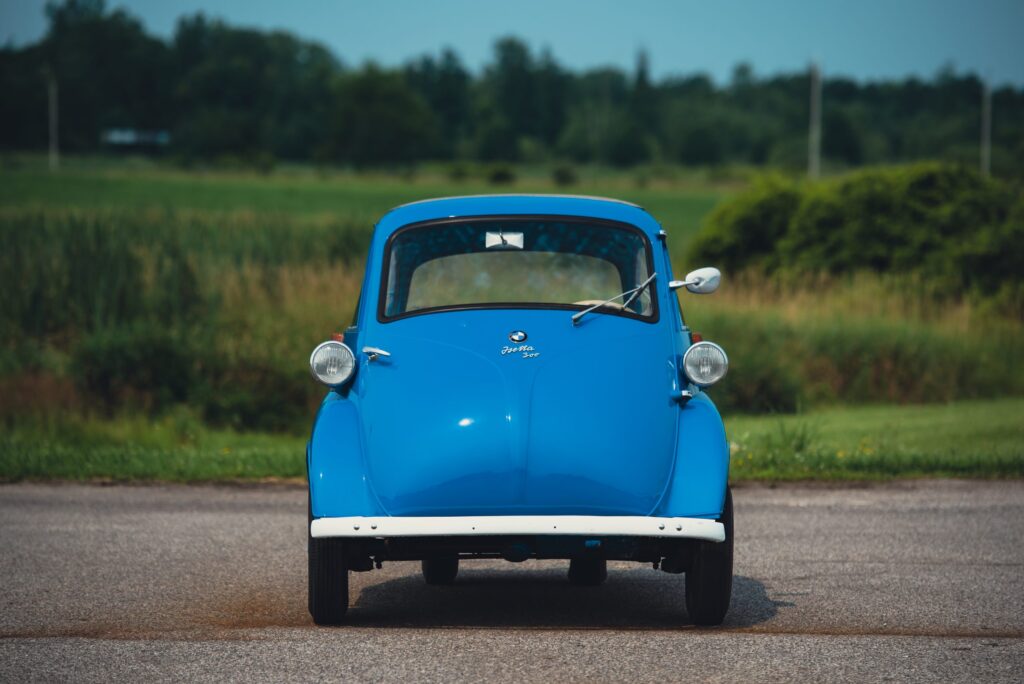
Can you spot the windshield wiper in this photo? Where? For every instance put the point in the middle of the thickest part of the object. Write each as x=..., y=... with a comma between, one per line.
x=631, y=294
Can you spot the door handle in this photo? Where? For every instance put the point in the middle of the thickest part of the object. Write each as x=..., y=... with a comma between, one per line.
x=373, y=353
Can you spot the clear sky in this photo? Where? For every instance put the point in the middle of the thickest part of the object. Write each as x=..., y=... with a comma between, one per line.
x=865, y=39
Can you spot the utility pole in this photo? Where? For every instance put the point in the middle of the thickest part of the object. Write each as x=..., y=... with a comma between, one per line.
x=54, y=145
x=814, y=136
x=986, y=129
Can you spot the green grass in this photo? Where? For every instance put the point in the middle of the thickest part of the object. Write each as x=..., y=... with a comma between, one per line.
x=960, y=439
x=241, y=274
x=303, y=193
x=963, y=439
x=177, y=448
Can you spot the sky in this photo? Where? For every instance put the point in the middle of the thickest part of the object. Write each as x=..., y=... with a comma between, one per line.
x=862, y=39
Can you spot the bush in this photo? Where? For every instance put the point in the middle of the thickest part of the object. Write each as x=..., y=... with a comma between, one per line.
x=764, y=375
x=253, y=395
x=458, y=172
x=777, y=366
x=744, y=232
x=500, y=174
x=143, y=366
x=944, y=222
x=564, y=175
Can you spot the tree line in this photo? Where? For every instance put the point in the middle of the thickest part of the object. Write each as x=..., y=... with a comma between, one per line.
x=257, y=96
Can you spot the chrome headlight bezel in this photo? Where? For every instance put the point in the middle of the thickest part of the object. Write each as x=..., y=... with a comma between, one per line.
x=336, y=379
x=691, y=357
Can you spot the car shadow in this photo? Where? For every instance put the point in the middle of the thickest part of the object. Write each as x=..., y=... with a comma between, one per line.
x=544, y=599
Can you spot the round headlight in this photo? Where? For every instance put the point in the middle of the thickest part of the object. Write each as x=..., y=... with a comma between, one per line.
x=332, y=363
x=705, y=363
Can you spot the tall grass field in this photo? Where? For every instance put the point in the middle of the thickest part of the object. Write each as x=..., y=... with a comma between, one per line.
x=156, y=324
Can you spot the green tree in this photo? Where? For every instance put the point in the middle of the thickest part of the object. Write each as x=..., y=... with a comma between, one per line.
x=109, y=72
x=444, y=84
x=379, y=119
x=245, y=93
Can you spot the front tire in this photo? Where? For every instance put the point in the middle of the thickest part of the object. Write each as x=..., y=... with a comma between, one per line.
x=709, y=579
x=441, y=570
x=328, y=579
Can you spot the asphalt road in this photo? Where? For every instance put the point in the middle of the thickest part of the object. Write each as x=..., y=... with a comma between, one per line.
x=920, y=581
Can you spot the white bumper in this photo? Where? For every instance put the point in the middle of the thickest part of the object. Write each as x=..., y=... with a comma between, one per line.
x=597, y=525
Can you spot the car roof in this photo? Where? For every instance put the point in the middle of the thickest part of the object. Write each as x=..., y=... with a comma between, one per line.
x=511, y=205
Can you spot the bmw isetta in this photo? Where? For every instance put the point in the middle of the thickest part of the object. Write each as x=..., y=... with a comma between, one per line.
x=519, y=383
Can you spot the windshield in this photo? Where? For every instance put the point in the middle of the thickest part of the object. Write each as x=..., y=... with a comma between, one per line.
x=487, y=263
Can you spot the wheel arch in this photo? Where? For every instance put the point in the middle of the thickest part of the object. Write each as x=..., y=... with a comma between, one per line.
x=335, y=462
x=700, y=476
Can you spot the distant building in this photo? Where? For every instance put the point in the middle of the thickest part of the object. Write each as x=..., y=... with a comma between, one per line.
x=134, y=139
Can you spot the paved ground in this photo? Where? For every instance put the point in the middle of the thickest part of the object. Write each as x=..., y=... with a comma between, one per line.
x=916, y=581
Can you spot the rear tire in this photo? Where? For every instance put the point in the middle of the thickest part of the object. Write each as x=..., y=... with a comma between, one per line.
x=588, y=572
x=709, y=579
x=328, y=579
x=441, y=570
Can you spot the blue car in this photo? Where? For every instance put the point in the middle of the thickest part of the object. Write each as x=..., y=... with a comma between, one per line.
x=519, y=383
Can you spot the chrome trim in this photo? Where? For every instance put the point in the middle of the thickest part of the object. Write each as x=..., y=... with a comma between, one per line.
x=703, y=281
x=374, y=352
x=683, y=397
x=320, y=346
x=708, y=344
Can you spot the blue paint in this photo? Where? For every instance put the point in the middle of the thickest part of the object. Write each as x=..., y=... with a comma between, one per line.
x=448, y=425
x=697, y=488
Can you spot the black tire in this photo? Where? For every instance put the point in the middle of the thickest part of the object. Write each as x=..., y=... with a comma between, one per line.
x=588, y=572
x=328, y=580
x=709, y=579
x=441, y=570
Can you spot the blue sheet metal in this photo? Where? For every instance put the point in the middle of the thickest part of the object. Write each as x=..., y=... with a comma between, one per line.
x=583, y=422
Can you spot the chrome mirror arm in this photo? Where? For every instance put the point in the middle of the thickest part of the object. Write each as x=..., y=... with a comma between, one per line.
x=701, y=281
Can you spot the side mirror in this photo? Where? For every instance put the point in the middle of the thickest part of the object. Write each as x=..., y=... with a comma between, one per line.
x=702, y=281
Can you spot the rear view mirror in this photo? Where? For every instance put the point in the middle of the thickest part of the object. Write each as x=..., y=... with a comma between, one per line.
x=702, y=281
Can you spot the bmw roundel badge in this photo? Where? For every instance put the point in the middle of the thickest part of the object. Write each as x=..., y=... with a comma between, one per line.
x=517, y=336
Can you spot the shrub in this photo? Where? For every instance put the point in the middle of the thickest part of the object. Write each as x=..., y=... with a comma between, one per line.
x=944, y=222
x=564, y=175
x=763, y=371
x=142, y=365
x=458, y=172
x=501, y=174
x=252, y=394
x=777, y=366
x=906, y=220
x=744, y=232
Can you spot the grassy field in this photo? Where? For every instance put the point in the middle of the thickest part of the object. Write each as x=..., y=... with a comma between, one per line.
x=156, y=324
x=304, y=194
x=962, y=439
x=234, y=276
